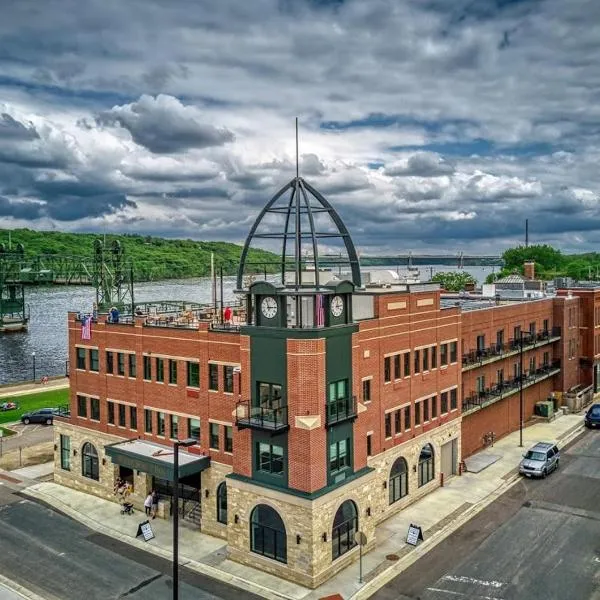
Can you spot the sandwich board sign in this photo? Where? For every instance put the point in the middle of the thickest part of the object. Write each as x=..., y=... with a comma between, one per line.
x=145, y=529
x=414, y=534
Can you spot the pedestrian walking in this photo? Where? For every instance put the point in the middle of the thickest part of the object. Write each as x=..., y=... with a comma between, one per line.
x=148, y=504
x=154, y=503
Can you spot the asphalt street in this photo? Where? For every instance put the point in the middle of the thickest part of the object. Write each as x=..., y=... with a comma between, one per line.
x=539, y=541
x=60, y=559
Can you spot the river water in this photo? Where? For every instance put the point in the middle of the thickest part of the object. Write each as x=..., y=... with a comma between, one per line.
x=47, y=334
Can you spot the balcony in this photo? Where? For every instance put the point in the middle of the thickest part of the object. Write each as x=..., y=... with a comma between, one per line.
x=262, y=418
x=499, y=391
x=482, y=356
x=340, y=410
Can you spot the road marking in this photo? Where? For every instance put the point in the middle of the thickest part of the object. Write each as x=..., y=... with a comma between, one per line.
x=451, y=593
x=464, y=579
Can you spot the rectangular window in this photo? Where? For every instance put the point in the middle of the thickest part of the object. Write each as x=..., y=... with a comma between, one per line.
x=444, y=403
x=369, y=445
x=132, y=366
x=174, y=432
x=500, y=339
x=532, y=365
x=500, y=377
x=121, y=364
x=95, y=409
x=337, y=390
x=397, y=368
x=81, y=358
x=193, y=374
x=532, y=329
x=453, y=399
x=214, y=436
x=65, y=452
x=434, y=357
x=388, y=425
x=453, y=352
x=109, y=362
x=269, y=395
x=172, y=371
x=339, y=456
x=547, y=325
x=434, y=406
x=517, y=333
x=228, y=438
x=194, y=428
x=480, y=343
x=148, y=420
x=160, y=420
x=546, y=358
x=407, y=423
x=81, y=406
x=213, y=377
x=444, y=355
x=132, y=417
x=147, y=368
x=269, y=458
x=418, y=413
x=387, y=369
x=425, y=359
x=94, y=361
x=481, y=384
x=397, y=423
x=425, y=404
x=366, y=390
x=122, y=417
x=110, y=412
x=228, y=379
x=407, y=364
x=160, y=370
x=417, y=361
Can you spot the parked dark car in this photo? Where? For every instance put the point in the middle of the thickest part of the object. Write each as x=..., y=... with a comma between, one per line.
x=592, y=417
x=43, y=415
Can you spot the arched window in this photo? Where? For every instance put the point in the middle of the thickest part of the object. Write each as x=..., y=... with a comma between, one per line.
x=267, y=533
x=345, y=526
x=222, y=503
x=89, y=462
x=426, y=471
x=398, y=483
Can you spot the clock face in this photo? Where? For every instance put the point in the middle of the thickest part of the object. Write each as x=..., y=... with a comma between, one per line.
x=337, y=306
x=268, y=306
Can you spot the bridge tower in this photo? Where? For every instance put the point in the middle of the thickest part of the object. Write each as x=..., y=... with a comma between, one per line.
x=113, y=277
x=461, y=260
x=13, y=312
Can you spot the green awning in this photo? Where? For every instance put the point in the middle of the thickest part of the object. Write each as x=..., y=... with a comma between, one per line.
x=154, y=459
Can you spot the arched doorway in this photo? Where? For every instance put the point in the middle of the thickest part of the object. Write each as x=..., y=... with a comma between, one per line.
x=267, y=533
x=398, y=483
x=222, y=503
x=89, y=462
x=345, y=526
x=426, y=465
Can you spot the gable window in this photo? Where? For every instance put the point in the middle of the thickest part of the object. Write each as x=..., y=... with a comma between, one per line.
x=81, y=358
x=193, y=374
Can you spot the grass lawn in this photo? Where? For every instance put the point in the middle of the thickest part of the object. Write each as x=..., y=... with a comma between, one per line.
x=49, y=399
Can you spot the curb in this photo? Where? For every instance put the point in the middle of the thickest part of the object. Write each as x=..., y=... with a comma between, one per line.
x=209, y=571
x=18, y=589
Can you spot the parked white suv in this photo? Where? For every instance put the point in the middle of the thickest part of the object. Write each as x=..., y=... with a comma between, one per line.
x=540, y=460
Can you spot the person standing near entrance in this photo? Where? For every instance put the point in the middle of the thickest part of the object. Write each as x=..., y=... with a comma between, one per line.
x=154, y=496
x=148, y=504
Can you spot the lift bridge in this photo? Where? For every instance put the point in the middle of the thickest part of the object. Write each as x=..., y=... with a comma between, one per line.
x=108, y=270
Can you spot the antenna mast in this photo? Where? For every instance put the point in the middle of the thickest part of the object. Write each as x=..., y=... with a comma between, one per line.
x=297, y=165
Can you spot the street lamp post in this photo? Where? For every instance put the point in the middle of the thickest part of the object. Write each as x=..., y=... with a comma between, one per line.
x=521, y=334
x=33, y=360
x=176, y=445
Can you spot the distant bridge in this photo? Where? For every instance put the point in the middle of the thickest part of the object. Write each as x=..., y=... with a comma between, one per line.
x=411, y=259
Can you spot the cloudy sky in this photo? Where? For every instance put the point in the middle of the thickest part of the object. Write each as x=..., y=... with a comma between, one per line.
x=428, y=124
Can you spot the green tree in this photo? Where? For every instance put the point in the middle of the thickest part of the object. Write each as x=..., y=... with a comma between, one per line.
x=454, y=281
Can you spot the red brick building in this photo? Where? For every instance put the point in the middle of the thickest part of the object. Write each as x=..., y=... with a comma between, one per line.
x=323, y=409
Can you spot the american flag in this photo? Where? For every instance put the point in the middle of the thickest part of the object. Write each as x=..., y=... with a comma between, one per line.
x=320, y=311
x=86, y=328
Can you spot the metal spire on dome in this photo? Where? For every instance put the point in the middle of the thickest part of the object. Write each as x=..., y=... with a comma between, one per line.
x=302, y=228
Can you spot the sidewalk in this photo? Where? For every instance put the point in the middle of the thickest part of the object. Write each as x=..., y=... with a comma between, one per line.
x=439, y=514
x=22, y=389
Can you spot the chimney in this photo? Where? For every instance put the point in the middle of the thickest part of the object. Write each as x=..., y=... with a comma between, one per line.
x=529, y=269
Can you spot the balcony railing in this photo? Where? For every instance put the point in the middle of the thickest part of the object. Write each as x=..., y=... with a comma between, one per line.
x=476, y=358
x=259, y=417
x=509, y=387
x=340, y=410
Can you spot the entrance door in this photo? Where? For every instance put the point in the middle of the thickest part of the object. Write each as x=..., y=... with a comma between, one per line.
x=447, y=459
